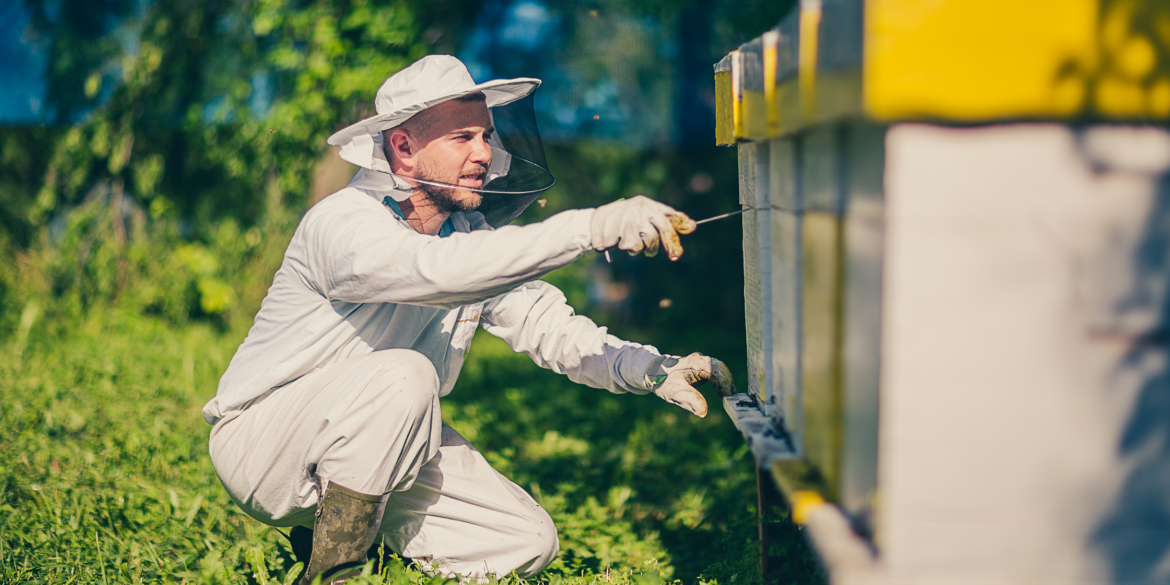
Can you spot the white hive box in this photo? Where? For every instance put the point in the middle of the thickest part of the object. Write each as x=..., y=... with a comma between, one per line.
x=956, y=291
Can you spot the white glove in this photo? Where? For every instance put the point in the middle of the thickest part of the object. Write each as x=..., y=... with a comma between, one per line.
x=674, y=380
x=640, y=223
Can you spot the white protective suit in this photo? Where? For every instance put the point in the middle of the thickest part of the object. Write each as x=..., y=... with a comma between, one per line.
x=366, y=324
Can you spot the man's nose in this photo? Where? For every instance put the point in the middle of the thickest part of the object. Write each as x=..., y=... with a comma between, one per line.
x=482, y=152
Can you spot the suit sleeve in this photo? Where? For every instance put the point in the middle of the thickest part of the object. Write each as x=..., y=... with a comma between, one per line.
x=359, y=253
x=536, y=319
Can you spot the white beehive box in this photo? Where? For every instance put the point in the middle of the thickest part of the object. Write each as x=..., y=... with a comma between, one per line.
x=956, y=275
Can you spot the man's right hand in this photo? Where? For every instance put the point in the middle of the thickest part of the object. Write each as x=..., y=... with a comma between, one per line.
x=640, y=224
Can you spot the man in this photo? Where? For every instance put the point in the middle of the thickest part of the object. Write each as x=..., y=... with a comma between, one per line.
x=329, y=416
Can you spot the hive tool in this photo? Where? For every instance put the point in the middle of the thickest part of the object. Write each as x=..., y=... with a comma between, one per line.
x=702, y=221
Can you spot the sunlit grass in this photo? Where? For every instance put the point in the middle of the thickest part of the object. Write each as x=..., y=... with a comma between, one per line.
x=106, y=478
x=105, y=365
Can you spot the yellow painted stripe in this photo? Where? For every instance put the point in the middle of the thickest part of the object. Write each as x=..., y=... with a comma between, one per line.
x=976, y=60
x=810, y=24
x=973, y=61
x=724, y=117
x=803, y=504
x=771, y=42
x=737, y=93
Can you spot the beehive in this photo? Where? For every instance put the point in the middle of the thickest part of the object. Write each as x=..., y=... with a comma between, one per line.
x=956, y=275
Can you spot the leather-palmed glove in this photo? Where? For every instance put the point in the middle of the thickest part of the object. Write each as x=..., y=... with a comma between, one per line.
x=640, y=224
x=674, y=380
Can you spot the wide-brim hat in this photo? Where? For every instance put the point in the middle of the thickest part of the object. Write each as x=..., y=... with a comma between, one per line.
x=429, y=81
x=518, y=173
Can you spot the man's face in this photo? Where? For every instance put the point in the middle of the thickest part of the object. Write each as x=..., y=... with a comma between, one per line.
x=451, y=147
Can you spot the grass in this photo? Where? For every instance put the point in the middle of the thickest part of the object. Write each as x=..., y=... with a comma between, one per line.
x=105, y=478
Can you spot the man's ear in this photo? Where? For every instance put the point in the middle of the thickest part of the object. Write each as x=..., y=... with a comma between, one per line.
x=402, y=146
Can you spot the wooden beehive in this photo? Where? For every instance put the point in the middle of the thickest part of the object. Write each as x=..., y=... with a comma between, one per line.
x=956, y=275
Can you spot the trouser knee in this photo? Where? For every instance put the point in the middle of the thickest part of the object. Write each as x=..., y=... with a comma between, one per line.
x=389, y=429
x=541, y=545
x=405, y=382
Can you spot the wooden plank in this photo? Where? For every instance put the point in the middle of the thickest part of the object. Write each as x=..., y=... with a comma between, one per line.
x=861, y=328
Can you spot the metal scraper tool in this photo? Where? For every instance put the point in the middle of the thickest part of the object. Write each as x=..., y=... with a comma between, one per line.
x=700, y=222
x=721, y=216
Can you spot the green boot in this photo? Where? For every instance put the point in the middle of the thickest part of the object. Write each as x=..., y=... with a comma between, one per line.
x=345, y=528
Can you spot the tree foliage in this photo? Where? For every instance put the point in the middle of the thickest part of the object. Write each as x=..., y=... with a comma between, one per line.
x=219, y=103
x=209, y=105
x=188, y=131
x=145, y=227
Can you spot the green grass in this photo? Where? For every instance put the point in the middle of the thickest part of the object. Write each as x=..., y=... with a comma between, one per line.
x=107, y=356
x=106, y=479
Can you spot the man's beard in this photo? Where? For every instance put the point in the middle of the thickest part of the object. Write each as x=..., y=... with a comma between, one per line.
x=443, y=198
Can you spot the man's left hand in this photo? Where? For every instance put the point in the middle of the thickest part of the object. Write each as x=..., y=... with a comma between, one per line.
x=674, y=380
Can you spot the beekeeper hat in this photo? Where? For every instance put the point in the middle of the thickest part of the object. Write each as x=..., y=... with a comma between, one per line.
x=518, y=173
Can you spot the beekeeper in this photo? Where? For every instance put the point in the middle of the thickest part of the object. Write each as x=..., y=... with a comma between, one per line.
x=328, y=417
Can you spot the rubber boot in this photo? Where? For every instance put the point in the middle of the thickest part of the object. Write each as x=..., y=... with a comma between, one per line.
x=345, y=528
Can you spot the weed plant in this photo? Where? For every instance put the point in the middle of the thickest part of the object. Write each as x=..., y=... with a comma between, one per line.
x=136, y=244
x=110, y=346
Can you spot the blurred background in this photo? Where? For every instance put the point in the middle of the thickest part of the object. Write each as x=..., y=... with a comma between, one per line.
x=154, y=160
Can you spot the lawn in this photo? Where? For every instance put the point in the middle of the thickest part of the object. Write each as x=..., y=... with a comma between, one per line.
x=108, y=351
x=137, y=243
x=106, y=477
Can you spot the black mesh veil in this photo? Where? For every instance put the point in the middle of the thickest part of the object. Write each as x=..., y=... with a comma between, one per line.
x=527, y=176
